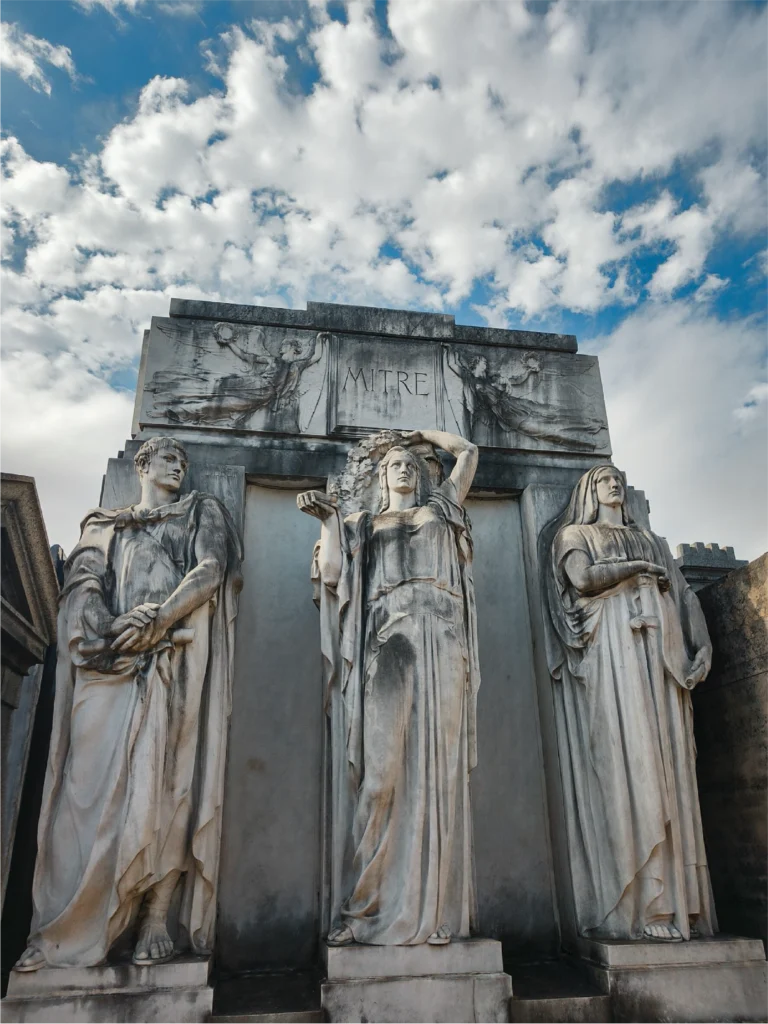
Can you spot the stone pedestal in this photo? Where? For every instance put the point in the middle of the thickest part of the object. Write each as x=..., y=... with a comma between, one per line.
x=463, y=981
x=717, y=979
x=176, y=993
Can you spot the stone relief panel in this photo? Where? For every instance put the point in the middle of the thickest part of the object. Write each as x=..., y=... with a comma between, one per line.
x=516, y=399
x=205, y=375
x=235, y=376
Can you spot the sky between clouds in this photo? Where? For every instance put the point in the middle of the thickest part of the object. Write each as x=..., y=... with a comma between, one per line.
x=597, y=168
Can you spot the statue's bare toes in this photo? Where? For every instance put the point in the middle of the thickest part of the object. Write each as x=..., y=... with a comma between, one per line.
x=154, y=946
x=30, y=960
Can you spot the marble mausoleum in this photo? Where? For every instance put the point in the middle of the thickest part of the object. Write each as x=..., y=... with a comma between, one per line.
x=424, y=753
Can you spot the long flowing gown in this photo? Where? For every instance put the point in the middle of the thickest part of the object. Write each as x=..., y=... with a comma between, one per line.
x=625, y=727
x=399, y=637
x=135, y=775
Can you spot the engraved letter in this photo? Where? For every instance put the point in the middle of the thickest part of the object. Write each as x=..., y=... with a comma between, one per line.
x=417, y=375
x=360, y=375
x=402, y=377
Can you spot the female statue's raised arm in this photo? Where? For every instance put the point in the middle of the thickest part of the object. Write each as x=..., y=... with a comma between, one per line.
x=464, y=452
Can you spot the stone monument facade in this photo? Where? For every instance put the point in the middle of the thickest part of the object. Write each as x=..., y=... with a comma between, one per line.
x=30, y=591
x=731, y=714
x=381, y=814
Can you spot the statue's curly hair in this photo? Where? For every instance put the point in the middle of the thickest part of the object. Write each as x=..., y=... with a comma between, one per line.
x=155, y=444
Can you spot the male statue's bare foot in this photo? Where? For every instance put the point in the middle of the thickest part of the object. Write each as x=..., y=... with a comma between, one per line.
x=30, y=960
x=340, y=936
x=441, y=937
x=155, y=945
x=662, y=931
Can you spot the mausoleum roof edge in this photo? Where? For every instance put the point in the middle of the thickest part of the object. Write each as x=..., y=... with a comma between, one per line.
x=399, y=323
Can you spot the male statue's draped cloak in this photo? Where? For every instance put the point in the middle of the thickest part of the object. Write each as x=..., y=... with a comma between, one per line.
x=625, y=729
x=135, y=774
x=399, y=640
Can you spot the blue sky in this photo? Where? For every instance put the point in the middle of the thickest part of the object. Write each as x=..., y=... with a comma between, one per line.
x=592, y=168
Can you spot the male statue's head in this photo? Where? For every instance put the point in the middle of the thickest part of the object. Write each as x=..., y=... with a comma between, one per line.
x=161, y=464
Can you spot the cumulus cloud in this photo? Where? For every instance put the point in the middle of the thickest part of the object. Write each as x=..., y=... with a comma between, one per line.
x=26, y=55
x=471, y=143
x=110, y=5
x=689, y=419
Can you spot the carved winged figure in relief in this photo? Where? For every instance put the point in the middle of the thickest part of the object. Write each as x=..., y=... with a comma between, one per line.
x=493, y=401
x=270, y=380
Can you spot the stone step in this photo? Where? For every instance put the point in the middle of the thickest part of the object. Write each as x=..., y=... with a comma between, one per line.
x=294, y=1017
x=555, y=991
x=561, y=1010
x=284, y=996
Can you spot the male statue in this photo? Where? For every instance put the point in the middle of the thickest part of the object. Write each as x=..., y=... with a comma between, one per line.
x=133, y=790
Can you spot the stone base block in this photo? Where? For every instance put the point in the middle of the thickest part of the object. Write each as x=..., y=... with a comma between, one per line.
x=562, y=1009
x=176, y=993
x=717, y=979
x=462, y=982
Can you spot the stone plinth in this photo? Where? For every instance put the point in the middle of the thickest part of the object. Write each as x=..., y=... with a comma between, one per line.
x=463, y=981
x=176, y=992
x=717, y=979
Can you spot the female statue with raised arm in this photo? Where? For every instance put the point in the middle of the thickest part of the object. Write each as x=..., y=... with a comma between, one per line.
x=630, y=644
x=399, y=639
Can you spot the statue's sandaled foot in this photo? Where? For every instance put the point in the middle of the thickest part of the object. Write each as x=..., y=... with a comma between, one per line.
x=155, y=945
x=662, y=931
x=30, y=960
x=340, y=936
x=441, y=937
x=693, y=926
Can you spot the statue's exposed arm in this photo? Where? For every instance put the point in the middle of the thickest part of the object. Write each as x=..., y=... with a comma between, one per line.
x=589, y=578
x=198, y=586
x=313, y=503
x=464, y=452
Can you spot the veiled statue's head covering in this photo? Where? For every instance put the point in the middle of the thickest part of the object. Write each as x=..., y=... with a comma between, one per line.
x=155, y=444
x=583, y=507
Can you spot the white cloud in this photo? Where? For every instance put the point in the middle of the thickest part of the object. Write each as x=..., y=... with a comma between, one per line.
x=26, y=55
x=110, y=5
x=673, y=378
x=480, y=141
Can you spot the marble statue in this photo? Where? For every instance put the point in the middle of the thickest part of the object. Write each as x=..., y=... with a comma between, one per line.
x=630, y=643
x=133, y=790
x=399, y=641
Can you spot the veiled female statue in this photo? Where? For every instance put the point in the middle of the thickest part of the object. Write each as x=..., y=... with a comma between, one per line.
x=630, y=644
x=134, y=787
x=399, y=642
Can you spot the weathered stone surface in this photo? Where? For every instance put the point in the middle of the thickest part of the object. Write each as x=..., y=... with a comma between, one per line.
x=160, y=576
x=370, y=320
x=465, y=956
x=556, y=991
x=213, y=368
x=710, y=990
x=623, y=619
x=182, y=973
x=702, y=564
x=172, y=992
x=439, y=999
x=715, y=950
x=29, y=601
x=293, y=1017
x=731, y=725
